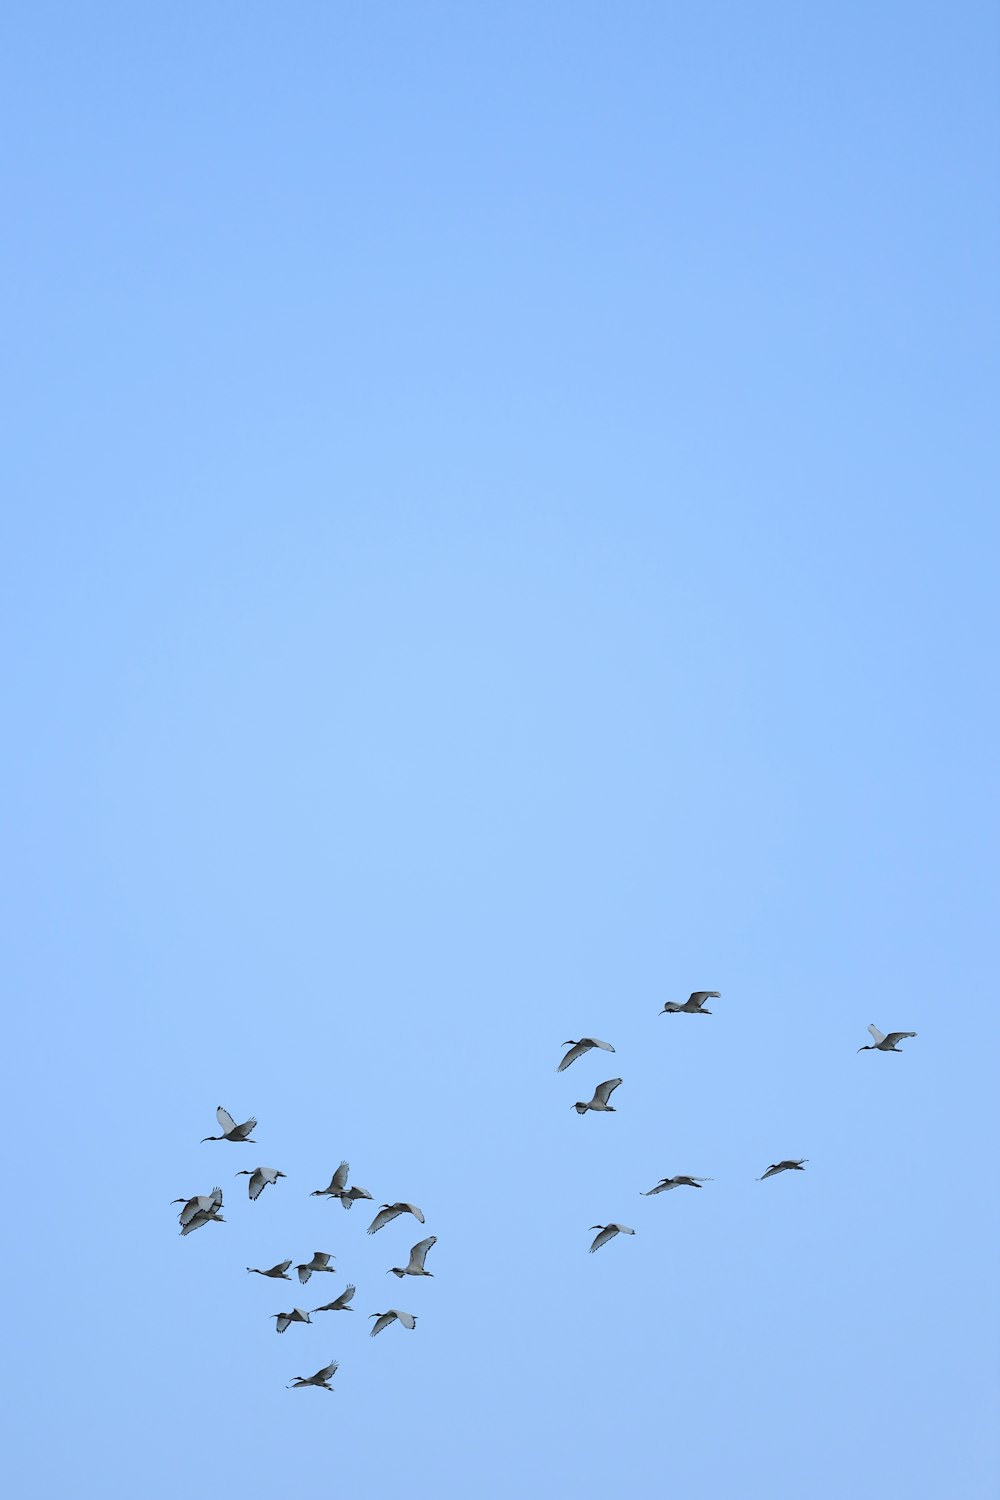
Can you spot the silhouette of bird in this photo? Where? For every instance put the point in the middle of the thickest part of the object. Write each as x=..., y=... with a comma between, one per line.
x=260, y=1178
x=666, y=1183
x=694, y=1005
x=784, y=1166
x=577, y=1049
x=277, y=1272
x=384, y=1319
x=230, y=1130
x=338, y=1188
x=205, y=1203
x=608, y=1232
x=319, y=1380
x=320, y=1262
x=602, y=1094
x=339, y=1304
x=389, y=1211
x=415, y=1264
x=295, y=1316
x=199, y=1220
x=882, y=1043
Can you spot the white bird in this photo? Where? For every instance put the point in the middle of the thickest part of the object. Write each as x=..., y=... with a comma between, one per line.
x=320, y=1262
x=693, y=1005
x=199, y=1219
x=277, y=1272
x=384, y=1319
x=608, y=1232
x=206, y=1203
x=338, y=1188
x=389, y=1211
x=415, y=1264
x=319, y=1379
x=666, y=1183
x=577, y=1049
x=882, y=1043
x=784, y=1166
x=339, y=1304
x=602, y=1094
x=295, y=1316
x=260, y=1178
x=230, y=1130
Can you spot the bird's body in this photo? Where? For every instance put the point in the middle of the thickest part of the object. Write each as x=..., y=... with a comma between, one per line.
x=295, y=1316
x=577, y=1049
x=338, y=1188
x=230, y=1130
x=602, y=1094
x=319, y=1380
x=320, y=1262
x=784, y=1166
x=199, y=1219
x=394, y=1314
x=882, y=1043
x=277, y=1273
x=339, y=1304
x=205, y=1203
x=608, y=1232
x=694, y=1005
x=260, y=1178
x=389, y=1211
x=666, y=1183
x=415, y=1264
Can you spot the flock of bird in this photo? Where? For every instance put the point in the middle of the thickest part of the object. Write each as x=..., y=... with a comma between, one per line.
x=694, y=1005
x=206, y=1208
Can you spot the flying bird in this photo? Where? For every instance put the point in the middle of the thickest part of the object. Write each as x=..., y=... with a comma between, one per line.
x=206, y=1203
x=693, y=1005
x=199, y=1219
x=415, y=1264
x=577, y=1049
x=389, y=1211
x=320, y=1262
x=882, y=1043
x=230, y=1130
x=319, y=1379
x=384, y=1319
x=784, y=1166
x=260, y=1178
x=295, y=1316
x=277, y=1272
x=602, y=1094
x=338, y=1188
x=608, y=1232
x=339, y=1304
x=666, y=1183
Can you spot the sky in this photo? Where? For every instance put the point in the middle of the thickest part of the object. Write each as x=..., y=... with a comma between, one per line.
x=501, y=532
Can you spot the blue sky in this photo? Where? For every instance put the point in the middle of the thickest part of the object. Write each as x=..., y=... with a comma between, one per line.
x=501, y=532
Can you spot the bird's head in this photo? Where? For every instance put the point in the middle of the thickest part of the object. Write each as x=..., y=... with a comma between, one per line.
x=280, y=1174
x=597, y=1226
x=245, y=1173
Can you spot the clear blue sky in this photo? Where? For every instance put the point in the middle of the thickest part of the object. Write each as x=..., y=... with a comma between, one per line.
x=500, y=531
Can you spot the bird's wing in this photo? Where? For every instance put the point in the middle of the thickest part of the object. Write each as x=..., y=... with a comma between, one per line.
x=604, y=1090
x=419, y=1252
x=897, y=1036
x=878, y=1037
x=698, y=997
x=196, y=1222
x=412, y=1208
x=257, y=1182
x=345, y=1297
x=280, y=1268
x=661, y=1187
x=225, y=1119
x=381, y=1322
x=355, y=1193
x=339, y=1179
x=327, y=1372
x=602, y=1239
x=283, y=1321
x=247, y=1126
x=622, y=1228
x=383, y=1217
x=304, y=1271
x=604, y=1046
x=777, y=1167
x=407, y=1319
x=320, y=1260
x=216, y=1197
x=577, y=1050
x=189, y=1210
